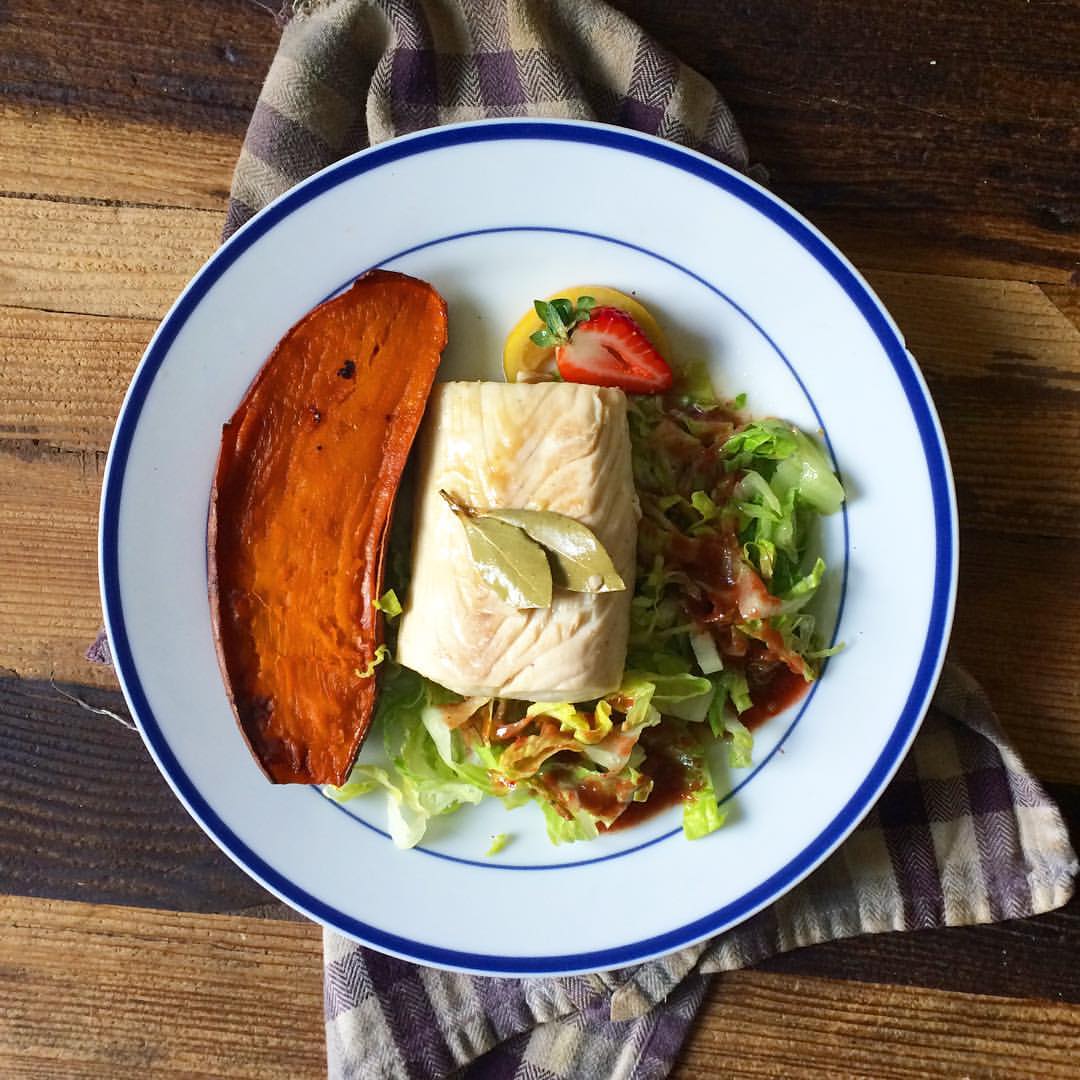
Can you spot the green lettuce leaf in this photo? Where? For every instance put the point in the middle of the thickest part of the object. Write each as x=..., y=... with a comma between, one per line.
x=428, y=779
x=702, y=813
x=562, y=830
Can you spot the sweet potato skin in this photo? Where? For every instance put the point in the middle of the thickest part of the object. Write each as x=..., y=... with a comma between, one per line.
x=299, y=518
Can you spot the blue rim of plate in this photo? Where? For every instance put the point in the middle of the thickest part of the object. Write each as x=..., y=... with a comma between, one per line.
x=938, y=473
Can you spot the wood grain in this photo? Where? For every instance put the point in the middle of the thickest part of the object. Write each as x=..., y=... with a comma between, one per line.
x=85, y=814
x=100, y=260
x=49, y=609
x=1017, y=631
x=1066, y=298
x=84, y=157
x=757, y=1024
x=116, y=60
x=123, y=992
x=932, y=137
x=64, y=376
x=1003, y=364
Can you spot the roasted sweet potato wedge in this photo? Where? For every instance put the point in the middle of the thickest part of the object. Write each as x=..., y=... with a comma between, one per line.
x=299, y=518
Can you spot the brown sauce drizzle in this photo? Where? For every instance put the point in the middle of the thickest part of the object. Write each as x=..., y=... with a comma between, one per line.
x=783, y=689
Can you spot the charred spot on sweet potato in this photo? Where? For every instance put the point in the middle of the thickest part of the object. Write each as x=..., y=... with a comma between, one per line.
x=296, y=551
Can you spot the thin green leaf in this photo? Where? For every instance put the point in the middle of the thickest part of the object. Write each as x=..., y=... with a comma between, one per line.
x=565, y=310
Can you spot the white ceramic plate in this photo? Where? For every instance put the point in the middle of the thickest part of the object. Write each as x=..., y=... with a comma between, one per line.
x=493, y=215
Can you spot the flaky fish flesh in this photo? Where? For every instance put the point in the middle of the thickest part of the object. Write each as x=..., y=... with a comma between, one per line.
x=552, y=446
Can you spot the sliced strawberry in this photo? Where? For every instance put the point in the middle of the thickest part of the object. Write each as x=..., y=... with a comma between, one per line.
x=610, y=349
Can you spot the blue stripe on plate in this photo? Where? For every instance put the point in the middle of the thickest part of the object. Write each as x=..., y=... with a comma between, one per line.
x=922, y=412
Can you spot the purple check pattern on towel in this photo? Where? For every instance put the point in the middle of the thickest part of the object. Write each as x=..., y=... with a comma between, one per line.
x=964, y=834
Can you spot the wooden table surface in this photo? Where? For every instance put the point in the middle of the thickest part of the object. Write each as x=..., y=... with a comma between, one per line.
x=937, y=143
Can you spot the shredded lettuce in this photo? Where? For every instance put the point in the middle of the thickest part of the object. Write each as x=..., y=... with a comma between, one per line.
x=389, y=604
x=567, y=830
x=381, y=653
x=704, y=505
x=406, y=819
x=674, y=690
x=728, y=511
x=427, y=781
x=740, y=740
x=765, y=440
x=705, y=652
x=806, y=472
x=740, y=743
x=702, y=813
x=587, y=728
x=498, y=842
x=728, y=686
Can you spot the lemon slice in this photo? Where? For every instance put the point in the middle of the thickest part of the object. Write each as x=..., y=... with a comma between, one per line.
x=525, y=362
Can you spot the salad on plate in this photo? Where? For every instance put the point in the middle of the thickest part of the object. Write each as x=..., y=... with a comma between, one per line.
x=563, y=589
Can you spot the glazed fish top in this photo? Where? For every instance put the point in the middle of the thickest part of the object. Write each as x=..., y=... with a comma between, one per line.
x=560, y=447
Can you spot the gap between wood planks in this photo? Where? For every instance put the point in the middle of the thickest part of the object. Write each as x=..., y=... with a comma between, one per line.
x=127, y=990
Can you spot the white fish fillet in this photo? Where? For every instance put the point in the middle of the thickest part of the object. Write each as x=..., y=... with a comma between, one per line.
x=541, y=446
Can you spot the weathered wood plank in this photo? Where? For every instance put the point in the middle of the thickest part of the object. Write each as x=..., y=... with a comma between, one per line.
x=64, y=376
x=1017, y=631
x=936, y=137
x=85, y=814
x=49, y=608
x=125, y=992
x=756, y=1024
x=199, y=66
x=100, y=260
x=1003, y=364
x=1066, y=298
x=199, y=994
x=78, y=156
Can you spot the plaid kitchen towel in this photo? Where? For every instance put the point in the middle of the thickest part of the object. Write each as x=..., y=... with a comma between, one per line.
x=964, y=834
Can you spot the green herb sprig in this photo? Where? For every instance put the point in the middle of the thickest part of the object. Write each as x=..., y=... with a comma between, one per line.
x=560, y=317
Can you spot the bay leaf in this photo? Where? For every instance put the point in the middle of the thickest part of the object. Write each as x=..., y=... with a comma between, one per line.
x=580, y=561
x=506, y=559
